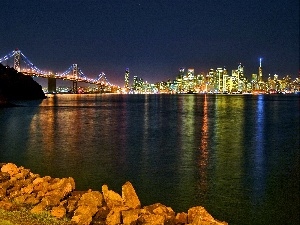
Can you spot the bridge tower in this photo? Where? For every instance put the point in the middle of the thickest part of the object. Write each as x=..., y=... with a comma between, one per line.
x=52, y=84
x=17, y=59
x=75, y=76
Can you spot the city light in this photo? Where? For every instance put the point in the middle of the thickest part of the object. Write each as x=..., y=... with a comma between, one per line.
x=215, y=81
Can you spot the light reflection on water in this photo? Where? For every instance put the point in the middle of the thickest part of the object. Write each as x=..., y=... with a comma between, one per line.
x=236, y=155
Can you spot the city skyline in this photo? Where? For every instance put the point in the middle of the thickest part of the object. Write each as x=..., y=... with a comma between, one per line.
x=10, y=61
x=215, y=81
x=154, y=39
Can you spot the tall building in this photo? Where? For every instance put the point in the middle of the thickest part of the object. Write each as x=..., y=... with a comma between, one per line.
x=260, y=71
x=210, y=81
x=219, y=80
x=240, y=71
x=126, y=79
x=180, y=80
x=254, y=81
x=191, y=80
x=135, y=84
x=242, y=81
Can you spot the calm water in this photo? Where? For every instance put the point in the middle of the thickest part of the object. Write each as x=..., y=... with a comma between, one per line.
x=238, y=156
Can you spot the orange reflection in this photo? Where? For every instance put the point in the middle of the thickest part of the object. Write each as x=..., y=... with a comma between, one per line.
x=203, y=164
x=44, y=125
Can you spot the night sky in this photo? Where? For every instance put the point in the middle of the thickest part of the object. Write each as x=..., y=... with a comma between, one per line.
x=153, y=38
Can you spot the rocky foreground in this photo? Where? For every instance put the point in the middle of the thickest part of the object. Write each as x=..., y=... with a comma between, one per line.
x=20, y=188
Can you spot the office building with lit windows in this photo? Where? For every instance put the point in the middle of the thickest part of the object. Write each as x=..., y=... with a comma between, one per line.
x=126, y=86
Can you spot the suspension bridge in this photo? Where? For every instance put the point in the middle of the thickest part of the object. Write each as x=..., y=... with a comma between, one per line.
x=73, y=73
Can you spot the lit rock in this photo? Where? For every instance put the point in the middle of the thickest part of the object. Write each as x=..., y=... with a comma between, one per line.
x=64, y=185
x=72, y=201
x=111, y=198
x=88, y=206
x=39, y=207
x=31, y=200
x=22, y=174
x=91, y=198
x=61, y=189
x=151, y=219
x=114, y=216
x=83, y=214
x=10, y=168
x=199, y=215
x=130, y=197
x=101, y=215
x=27, y=189
x=4, y=176
x=181, y=218
x=6, y=205
x=130, y=216
x=159, y=209
x=21, y=199
x=58, y=212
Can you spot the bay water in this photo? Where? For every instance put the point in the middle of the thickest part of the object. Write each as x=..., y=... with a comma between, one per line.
x=236, y=155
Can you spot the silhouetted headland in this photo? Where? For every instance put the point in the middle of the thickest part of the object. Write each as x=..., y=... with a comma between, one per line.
x=15, y=85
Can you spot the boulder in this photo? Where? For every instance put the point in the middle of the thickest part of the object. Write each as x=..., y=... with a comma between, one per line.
x=52, y=200
x=22, y=174
x=39, y=207
x=83, y=215
x=73, y=200
x=159, y=209
x=4, y=176
x=6, y=205
x=20, y=200
x=64, y=185
x=181, y=218
x=27, y=189
x=31, y=200
x=38, y=180
x=10, y=168
x=101, y=215
x=2, y=193
x=59, y=190
x=199, y=215
x=41, y=186
x=91, y=198
x=130, y=217
x=111, y=198
x=114, y=216
x=88, y=206
x=151, y=219
x=58, y=212
x=198, y=211
x=130, y=197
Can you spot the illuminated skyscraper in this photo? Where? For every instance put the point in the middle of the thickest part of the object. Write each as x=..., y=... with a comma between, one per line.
x=240, y=71
x=260, y=71
x=242, y=81
x=210, y=80
x=191, y=80
x=180, y=80
x=127, y=79
x=219, y=80
x=191, y=74
x=135, y=83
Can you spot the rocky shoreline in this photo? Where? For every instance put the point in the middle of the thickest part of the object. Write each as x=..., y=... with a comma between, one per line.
x=20, y=188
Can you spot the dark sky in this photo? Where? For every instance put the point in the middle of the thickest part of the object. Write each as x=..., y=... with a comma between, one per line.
x=153, y=38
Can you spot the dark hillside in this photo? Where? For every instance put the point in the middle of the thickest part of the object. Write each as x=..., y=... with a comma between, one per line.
x=17, y=86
